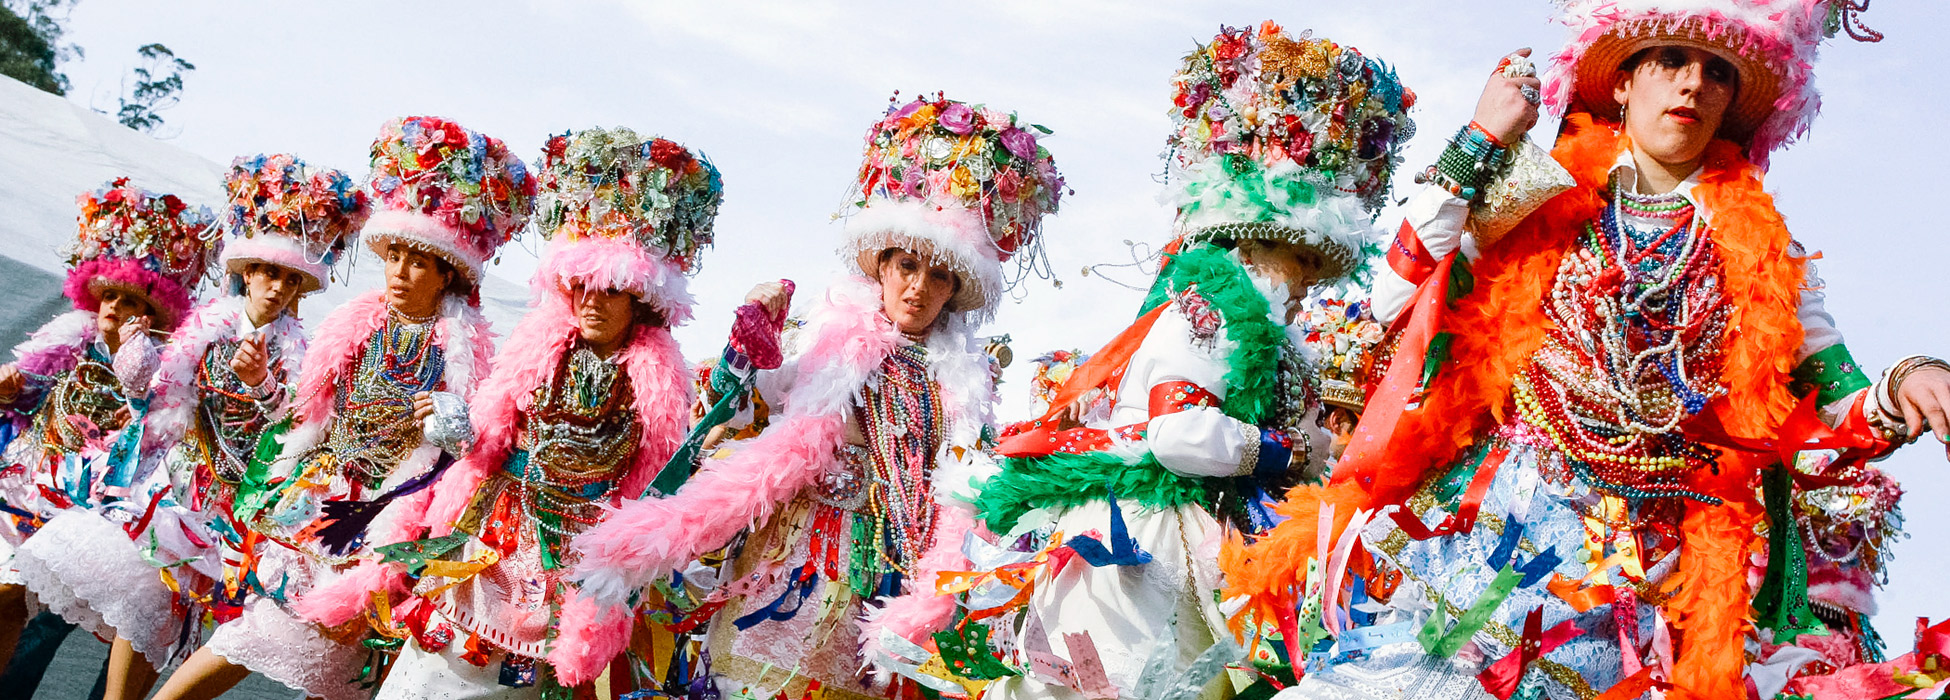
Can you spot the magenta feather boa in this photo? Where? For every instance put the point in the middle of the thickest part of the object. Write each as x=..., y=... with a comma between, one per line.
x=170, y=298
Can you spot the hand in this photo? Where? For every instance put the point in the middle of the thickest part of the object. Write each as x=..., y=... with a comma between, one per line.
x=776, y=297
x=251, y=363
x=422, y=406
x=1503, y=110
x=134, y=328
x=1924, y=398
x=11, y=382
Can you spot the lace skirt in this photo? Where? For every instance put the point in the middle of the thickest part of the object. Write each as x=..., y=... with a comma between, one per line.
x=85, y=568
x=420, y=674
x=271, y=640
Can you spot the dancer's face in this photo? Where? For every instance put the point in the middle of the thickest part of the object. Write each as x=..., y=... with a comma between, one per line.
x=604, y=317
x=913, y=292
x=269, y=290
x=415, y=280
x=119, y=307
x=1293, y=268
x=1675, y=98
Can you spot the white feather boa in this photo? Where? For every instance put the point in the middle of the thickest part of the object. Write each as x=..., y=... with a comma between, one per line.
x=173, y=399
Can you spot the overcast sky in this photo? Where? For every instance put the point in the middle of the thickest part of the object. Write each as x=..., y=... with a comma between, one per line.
x=779, y=93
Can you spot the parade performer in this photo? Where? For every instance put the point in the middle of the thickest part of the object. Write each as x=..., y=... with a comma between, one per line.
x=225, y=376
x=858, y=488
x=447, y=198
x=589, y=399
x=1559, y=484
x=80, y=379
x=1282, y=154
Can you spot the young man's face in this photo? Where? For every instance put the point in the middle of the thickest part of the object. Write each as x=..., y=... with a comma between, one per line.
x=269, y=290
x=415, y=280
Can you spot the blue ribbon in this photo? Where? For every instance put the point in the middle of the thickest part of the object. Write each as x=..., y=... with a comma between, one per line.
x=774, y=611
x=1123, y=550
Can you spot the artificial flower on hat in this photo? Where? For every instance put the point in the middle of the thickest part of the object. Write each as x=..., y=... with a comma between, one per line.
x=1285, y=138
x=442, y=188
x=153, y=245
x=628, y=212
x=290, y=214
x=959, y=184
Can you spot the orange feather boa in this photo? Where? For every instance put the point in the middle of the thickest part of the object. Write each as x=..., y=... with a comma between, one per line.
x=1500, y=325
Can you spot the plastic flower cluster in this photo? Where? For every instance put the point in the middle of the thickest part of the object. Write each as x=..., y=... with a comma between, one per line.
x=161, y=232
x=279, y=194
x=952, y=153
x=1342, y=335
x=1259, y=100
x=461, y=178
x=613, y=183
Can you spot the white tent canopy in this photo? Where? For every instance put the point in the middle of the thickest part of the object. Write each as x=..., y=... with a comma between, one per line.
x=51, y=150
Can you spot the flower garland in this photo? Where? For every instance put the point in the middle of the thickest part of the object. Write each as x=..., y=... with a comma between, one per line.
x=615, y=184
x=165, y=235
x=948, y=152
x=462, y=179
x=280, y=195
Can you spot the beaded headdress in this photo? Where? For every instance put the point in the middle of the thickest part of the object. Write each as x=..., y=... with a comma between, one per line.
x=961, y=184
x=626, y=212
x=446, y=190
x=137, y=241
x=1342, y=336
x=292, y=215
x=1284, y=138
x=1771, y=43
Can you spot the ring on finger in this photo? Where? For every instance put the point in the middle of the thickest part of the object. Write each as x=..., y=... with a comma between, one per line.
x=1515, y=66
x=1530, y=94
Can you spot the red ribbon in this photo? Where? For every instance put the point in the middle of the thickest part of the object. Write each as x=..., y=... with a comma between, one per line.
x=1368, y=453
x=1500, y=679
x=1635, y=686
x=1102, y=368
x=1464, y=518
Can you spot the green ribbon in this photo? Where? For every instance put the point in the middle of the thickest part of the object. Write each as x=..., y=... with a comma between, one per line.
x=417, y=553
x=1782, y=602
x=1444, y=645
x=969, y=655
x=258, y=489
x=731, y=388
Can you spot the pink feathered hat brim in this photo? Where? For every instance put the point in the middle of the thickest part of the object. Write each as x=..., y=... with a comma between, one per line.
x=422, y=232
x=608, y=263
x=88, y=280
x=275, y=250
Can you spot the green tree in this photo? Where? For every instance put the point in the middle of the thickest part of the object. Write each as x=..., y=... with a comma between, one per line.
x=158, y=80
x=31, y=49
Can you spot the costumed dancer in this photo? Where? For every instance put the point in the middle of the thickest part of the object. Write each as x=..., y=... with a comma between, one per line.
x=1575, y=456
x=589, y=399
x=80, y=379
x=226, y=375
x=1341, y=337
x=859, y=488
x=384, y=379
x=1282, y=155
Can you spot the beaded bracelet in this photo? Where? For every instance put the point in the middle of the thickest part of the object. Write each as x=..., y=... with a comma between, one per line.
x=1473, y=158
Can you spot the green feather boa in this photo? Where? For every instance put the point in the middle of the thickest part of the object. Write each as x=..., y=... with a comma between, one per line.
x=1062, y=481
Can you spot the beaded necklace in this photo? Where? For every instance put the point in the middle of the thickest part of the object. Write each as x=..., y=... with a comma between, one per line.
x=900, y=414
x=578, y=438
x=89, y=391
x=228, y=412
x=374, y=430
x=1638, y=316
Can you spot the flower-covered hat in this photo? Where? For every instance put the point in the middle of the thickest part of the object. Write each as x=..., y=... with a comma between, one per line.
x=446, y=190
x=150, y=244
x=1772, y=43
x=960, y=184
x=292, y=215
x=1286, y=139
x=1341, y=336
x=626, y=212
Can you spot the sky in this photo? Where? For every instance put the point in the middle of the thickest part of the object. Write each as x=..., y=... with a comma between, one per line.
x=778, y=93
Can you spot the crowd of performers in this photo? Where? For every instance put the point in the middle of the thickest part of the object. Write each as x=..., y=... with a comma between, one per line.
x=1579, y=427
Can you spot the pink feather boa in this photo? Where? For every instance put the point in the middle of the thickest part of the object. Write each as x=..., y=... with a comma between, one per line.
x=52, y=349
x=919, y=613
x=343, y=335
